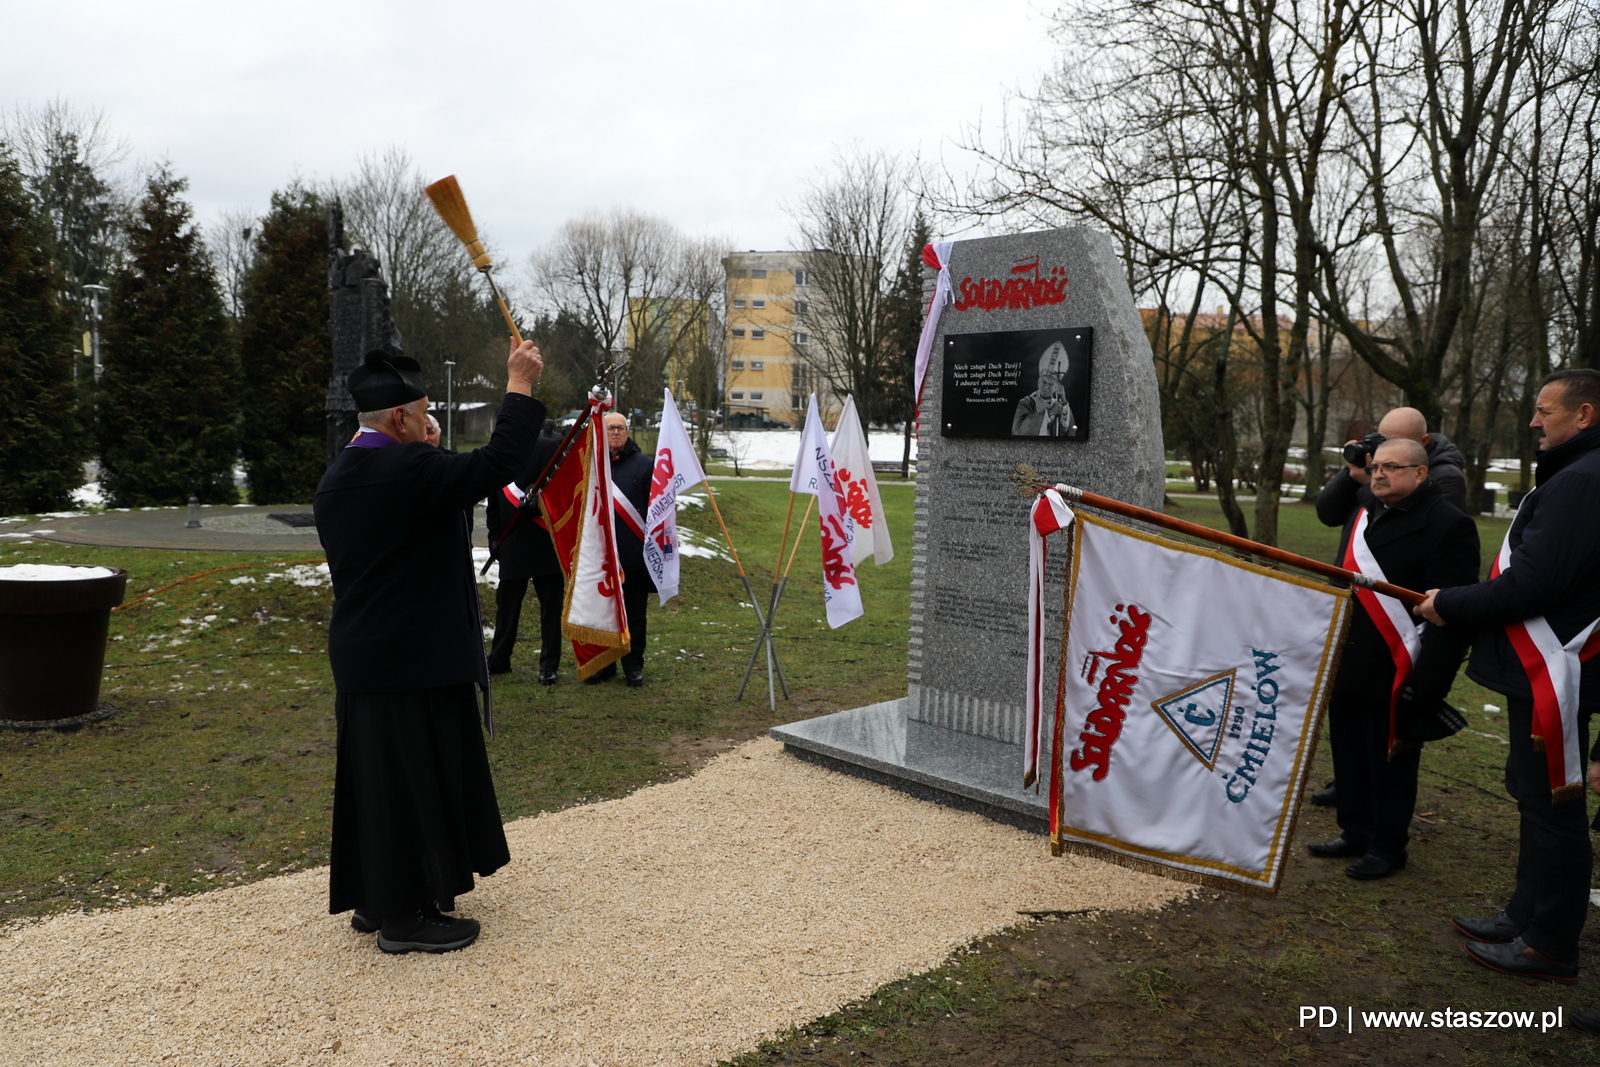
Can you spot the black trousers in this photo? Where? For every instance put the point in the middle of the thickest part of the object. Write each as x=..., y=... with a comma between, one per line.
x=1377, y=795
x=509, y=594
x=1554, y=855
x=636, y=592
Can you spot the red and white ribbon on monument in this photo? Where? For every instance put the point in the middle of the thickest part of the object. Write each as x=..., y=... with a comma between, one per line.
x=1400, y=632
x=937, y=256
x=1554, y=672
x=1050, y=515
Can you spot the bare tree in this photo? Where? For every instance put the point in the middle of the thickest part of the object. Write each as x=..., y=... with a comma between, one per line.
x=233, y=252
x=646, y=293
x=440, y=304
x=853, y=224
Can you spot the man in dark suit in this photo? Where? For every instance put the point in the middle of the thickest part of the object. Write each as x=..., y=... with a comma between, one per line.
x=526, y=555
x=414, y=810
x=1536, y=618
x=1405, y=533
x=631, y=472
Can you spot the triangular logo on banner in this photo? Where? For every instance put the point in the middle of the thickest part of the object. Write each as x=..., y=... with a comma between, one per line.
x=1198, y=714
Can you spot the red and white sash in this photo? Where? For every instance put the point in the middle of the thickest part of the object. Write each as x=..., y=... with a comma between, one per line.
x=1555, y=673
x=1050, y=514
x=1390, y=616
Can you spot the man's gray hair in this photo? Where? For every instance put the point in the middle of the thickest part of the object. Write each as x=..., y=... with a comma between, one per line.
x=381, y=416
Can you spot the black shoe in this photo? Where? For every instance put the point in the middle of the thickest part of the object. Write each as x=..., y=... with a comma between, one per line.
x=429, y=931
x=362, y=923
x=1338, y=848
x=1370, y=867
x=1327, y=796
x=1497, y=929
x=499, y=670
x=604, y=674
x=547, y=677
x=1510, y=959
x=635, y=679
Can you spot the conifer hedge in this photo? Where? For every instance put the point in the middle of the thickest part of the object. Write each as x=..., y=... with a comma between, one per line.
x=41, y=446
x=284, y=351
x=167, y=413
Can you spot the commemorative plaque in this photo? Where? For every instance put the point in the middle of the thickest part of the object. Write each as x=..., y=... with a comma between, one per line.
x=1018, y=383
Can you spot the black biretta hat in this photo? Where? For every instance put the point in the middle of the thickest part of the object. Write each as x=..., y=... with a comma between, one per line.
x=385, y=381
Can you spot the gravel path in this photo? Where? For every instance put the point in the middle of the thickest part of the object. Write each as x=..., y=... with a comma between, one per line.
x=679, y=925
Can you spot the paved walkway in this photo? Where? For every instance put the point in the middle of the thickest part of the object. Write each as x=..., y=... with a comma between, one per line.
x=235, y=529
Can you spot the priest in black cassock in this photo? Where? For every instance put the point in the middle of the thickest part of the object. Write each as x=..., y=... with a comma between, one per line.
x=414, y=810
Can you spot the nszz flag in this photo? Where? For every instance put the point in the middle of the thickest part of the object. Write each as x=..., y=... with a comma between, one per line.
x=1187, y=718
x=677, y=467
x=583, y=526
x=814, y=473
x=859, y=488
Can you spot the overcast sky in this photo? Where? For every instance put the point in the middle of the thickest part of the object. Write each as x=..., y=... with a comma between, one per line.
x=711, y=115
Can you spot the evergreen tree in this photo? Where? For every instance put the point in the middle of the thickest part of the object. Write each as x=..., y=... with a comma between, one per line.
x=167, y=414
x=41, y=450
x=903, y=311
x=284, y=350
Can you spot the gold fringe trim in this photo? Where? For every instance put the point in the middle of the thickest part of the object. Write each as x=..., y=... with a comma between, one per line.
x=1538, y=742
x=1161, y=870
x=601, y=662
x=602, y=638
x=1570, y=791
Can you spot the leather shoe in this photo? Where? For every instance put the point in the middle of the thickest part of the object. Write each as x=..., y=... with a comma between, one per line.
x=362, y=923
x=547, y=677
x=635, y=679
x=1327, y=796
x=1370, y=867
x=1510, y=958
x=1587, y=1021
x=1338, y=848
x=494, y=669
x=1497, y=929
x=604, y=674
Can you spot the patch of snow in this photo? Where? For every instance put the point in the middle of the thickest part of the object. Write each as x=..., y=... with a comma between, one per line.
x=479, y=556
x=776, y=449
x=51, y=572
x=246, y=580
x=305, y=574
x=88, y=493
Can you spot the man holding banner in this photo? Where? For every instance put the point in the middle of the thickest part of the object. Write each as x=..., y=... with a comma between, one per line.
x=631, y=470
x=1393, y=671
x=1536, y=619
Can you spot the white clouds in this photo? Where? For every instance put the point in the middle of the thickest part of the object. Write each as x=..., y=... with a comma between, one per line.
x=709, y=114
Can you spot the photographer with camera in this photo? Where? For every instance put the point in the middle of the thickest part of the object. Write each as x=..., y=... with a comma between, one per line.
x=1350, y=488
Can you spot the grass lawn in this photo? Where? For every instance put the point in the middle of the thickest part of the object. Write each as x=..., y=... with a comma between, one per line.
x=219, y=767
x=218, y=770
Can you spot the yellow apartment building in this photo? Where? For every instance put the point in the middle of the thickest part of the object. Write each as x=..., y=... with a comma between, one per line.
x=767, y=339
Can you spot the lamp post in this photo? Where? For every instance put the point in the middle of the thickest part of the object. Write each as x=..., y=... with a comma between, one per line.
x=94, y=292
x=450, y=404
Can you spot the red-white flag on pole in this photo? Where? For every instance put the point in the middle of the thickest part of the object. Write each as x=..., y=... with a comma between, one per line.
x=677, y=467
x=594, y=617
x=859, y=488
x=814, y=473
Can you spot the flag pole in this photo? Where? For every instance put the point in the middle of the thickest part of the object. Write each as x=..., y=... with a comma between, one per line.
x=750, y=592
x=1026, y=476
x=765, y=637
x=773, y=666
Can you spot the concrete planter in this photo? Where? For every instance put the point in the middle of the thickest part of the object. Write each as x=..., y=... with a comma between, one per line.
x=53, y=643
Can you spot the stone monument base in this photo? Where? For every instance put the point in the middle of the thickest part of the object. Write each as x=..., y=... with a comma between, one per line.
x=882, y=744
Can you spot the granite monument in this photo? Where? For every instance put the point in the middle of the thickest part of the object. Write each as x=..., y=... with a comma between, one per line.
x=1041, y=334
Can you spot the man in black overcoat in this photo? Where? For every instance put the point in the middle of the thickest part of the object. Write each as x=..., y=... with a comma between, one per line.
x=1412, y=537
x=414, y=810
x=526, y=555
x=1548, y=577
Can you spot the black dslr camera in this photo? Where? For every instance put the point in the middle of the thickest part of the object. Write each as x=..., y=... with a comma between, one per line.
x=1358, y=453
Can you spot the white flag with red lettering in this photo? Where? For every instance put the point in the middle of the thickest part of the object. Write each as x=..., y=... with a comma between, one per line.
x=860, y=489
x=1187, y=703
x=814, y=473
x=677, y=467
x=594, y=614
